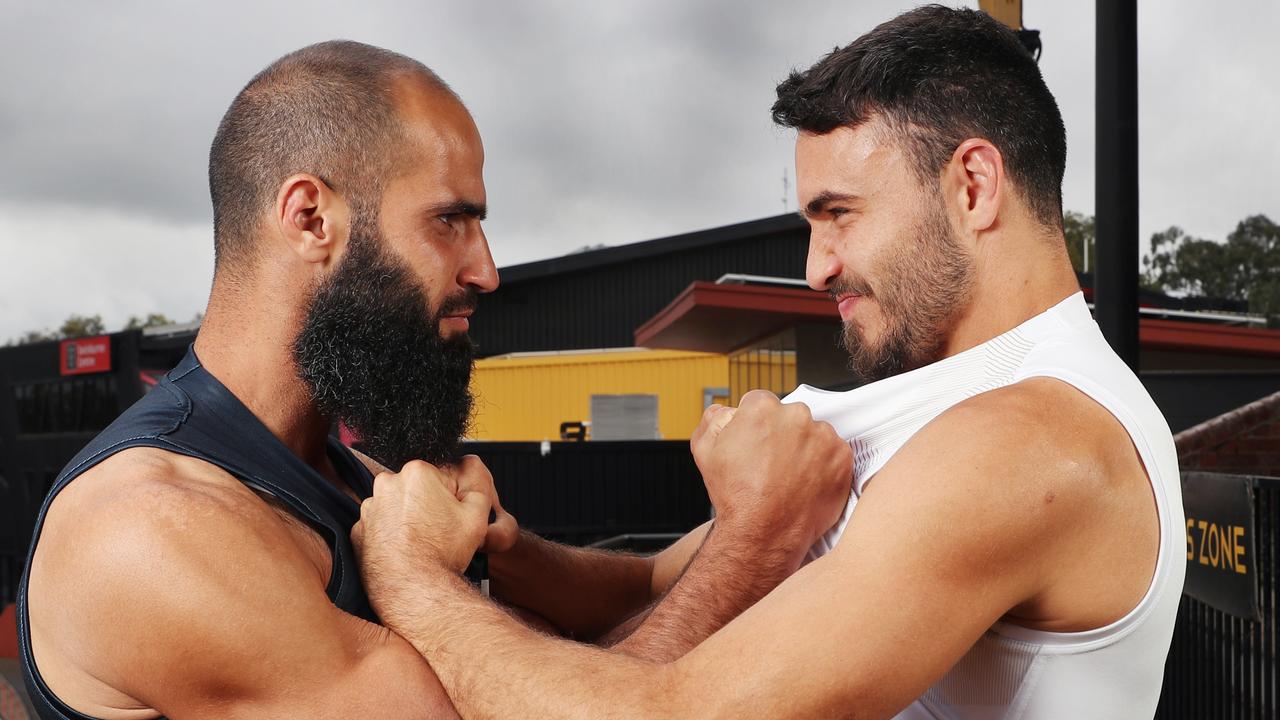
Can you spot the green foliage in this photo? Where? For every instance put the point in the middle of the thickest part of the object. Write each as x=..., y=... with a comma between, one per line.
x=1245, y=267
x=1079, y=231
x=78, y=326
x=152, y=320
x=33, y=336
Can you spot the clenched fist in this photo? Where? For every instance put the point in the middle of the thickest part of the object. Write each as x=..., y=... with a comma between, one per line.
x=426, y=520
x=775, y=476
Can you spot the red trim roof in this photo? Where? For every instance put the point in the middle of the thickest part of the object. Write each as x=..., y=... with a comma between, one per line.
x=723, y=318
x=1184, y=336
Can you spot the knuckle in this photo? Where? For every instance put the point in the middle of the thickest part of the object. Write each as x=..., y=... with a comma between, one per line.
x=798, y=413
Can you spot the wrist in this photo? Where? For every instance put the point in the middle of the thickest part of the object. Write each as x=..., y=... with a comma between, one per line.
x=755, y=550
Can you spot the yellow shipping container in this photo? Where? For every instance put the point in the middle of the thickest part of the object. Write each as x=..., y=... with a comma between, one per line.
x=525, y=396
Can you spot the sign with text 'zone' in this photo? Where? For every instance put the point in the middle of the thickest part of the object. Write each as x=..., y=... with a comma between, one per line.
x=1221, y=565
x=85, y=355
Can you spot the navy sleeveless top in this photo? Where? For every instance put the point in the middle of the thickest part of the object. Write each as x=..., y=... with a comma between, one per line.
x=190, y=413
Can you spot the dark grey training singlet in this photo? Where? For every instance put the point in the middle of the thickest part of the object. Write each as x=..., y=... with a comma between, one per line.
x=190, y=413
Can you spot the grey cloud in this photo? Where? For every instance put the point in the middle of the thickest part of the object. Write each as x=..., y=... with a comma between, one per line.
x=603, y=121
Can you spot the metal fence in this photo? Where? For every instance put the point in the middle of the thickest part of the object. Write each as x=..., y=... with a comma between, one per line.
x=574, y=492
x=1221, y=665
x=581, y=492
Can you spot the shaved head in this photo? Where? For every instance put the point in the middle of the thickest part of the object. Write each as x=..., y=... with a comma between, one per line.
x=330, y=110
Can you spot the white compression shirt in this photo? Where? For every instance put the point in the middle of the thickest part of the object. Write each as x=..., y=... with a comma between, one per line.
x=1013, y=672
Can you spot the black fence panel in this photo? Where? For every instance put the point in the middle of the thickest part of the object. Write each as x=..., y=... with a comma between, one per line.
x=46, y=417
x=580, y=492
x=1189, y=397
x=1220, y=666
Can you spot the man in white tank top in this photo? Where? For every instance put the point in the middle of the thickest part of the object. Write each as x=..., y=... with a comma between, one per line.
x=1009, y=548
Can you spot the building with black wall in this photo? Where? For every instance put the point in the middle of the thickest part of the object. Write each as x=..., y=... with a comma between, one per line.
x=594, y=299
x=597, y=299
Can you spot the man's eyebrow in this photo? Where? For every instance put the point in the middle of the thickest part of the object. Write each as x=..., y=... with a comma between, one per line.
x=824, y=198
x=478, y=211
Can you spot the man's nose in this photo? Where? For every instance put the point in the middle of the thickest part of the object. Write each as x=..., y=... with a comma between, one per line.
x=478, y=271
x=822, y=266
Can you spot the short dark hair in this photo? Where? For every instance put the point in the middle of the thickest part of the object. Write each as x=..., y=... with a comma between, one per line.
x=327, y=109
x=939, y=76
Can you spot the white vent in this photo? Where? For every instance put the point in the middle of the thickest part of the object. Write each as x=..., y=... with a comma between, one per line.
x=624, y=417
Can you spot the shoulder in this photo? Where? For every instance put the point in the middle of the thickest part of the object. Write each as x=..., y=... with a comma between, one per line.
x=1011, y=466
x=1040, y=428
x=149, y=554
x=176, y=587
x=146, y=517
x=150, y=497
x=1011, y=471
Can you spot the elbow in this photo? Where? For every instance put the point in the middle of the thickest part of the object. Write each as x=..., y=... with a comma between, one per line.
x=676, y=692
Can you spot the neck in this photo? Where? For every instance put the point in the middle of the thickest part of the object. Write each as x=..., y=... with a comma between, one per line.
x=1015, y=280
x=250, y=353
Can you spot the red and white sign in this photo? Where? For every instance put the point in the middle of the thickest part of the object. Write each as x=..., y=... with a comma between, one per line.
x=85, y=355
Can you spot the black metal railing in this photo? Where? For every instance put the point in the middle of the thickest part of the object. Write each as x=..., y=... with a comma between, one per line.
x=1220, y=665
x=581, y=492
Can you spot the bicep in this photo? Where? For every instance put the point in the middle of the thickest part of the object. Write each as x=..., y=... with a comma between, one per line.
x=925, y=567
x=223, y=616
x=384, y=678
x=835, y=641
x=273, y=645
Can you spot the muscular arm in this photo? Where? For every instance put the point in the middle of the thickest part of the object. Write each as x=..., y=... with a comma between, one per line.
x=607, y=596
x=201, y=603
x=777, y=480
x=582, y=591
x=730, y=572
x=958, y=530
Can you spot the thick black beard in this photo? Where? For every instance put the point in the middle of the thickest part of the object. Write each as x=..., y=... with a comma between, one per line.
x=926, y=285
x=371, y=354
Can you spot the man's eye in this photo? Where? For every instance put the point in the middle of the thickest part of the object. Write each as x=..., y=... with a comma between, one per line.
x=836, y=212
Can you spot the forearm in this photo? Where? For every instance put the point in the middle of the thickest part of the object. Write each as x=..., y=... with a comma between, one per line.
x=727, y=575
x=495, y=667
x=584, y=592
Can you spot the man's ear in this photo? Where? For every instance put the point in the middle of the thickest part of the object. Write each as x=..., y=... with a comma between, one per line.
x=974, y=180
x=313, y=219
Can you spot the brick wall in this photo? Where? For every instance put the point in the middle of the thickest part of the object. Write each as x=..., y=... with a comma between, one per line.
x=1245, y=441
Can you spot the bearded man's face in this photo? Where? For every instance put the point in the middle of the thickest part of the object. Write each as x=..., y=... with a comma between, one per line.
x=921, y=281
x=371, y=353
x=882, y=245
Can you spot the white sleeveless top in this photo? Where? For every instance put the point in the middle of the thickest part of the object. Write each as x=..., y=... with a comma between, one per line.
x=1013, y=672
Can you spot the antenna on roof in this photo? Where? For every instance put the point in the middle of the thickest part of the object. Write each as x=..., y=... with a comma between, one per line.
x=786, y=196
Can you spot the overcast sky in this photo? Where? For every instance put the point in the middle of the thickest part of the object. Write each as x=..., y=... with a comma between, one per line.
x=604, y=122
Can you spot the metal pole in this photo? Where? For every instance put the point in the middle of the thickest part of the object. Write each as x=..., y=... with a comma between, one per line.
x=1116, y=203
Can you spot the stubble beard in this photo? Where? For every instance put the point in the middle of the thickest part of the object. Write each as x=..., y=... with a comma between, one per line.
x=925, y=284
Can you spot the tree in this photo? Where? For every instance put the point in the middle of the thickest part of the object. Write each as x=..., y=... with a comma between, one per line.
x=77, y=326
x=1245, y=267
x=152, y=320
x=1079, y=231
x=33, y=336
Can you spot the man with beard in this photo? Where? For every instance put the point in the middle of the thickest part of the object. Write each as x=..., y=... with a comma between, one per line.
x=1012, y=544
x=194, y=560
